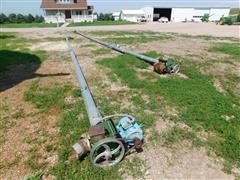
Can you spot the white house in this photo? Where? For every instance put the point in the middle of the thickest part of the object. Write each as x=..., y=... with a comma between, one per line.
x=60, y=11
x=116, y=15
x=131, y=15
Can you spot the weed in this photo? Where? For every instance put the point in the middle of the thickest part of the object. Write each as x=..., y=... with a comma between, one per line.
x=101, y=51
x=35, y=176
x=45, y=97
x=134, y=167
x=33, y=160
x=19, y=114
x=89, y=45
x=230, y=49
x=227, y=167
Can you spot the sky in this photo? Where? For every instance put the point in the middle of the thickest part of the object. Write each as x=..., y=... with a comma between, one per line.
x=106, y=6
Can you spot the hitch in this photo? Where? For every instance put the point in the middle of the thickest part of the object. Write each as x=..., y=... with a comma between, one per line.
x=108, y=138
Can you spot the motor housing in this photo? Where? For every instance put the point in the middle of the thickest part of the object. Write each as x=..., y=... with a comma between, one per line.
x=130, y=130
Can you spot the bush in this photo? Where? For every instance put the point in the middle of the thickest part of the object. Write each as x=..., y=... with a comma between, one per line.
x=20, y=18
x=12, y=18
x=39, y=19
x=105, y=17
x=3, y=18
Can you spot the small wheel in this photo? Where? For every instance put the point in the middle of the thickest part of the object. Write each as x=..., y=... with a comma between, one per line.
x=107, y=152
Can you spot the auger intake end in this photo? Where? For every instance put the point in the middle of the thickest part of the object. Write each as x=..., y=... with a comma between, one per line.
x=165, y=67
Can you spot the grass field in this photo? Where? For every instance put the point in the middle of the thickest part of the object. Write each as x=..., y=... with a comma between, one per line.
x=27, y=25
x=51, y=109
x=100, y=23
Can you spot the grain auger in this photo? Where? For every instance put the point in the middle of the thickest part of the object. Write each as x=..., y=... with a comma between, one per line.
x=160, y=66
x=108, y=138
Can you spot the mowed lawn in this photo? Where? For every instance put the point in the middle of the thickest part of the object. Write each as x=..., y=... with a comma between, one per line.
x=27, y=25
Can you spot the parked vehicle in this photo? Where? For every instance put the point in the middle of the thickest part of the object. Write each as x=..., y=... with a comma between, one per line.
x=142, y=19
x=163, y=20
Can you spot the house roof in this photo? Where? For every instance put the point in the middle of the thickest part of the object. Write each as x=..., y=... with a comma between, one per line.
x=133, y=12
x=51, y=4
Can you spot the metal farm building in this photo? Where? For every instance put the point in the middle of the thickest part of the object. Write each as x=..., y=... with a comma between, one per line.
x=178, y=14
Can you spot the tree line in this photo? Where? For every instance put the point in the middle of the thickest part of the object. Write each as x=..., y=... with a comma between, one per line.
x=19, y=18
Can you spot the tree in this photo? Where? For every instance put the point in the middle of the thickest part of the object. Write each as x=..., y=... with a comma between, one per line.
x=20, y=18
x=3, y=18
x=29, y=18
x=100, y=17
x=12, y=18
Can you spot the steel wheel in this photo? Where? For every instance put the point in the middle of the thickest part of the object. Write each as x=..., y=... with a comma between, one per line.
x=107, y=152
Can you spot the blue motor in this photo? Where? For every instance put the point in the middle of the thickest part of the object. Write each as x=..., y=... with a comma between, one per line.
x=130, y=131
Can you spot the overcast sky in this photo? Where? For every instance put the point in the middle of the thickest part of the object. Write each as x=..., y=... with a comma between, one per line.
x=33, y=6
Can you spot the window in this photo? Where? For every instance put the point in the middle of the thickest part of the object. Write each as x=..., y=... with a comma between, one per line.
x=64, y=1
x=197, y=16
x=78, y=12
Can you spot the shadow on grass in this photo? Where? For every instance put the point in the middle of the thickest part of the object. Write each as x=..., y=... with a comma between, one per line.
x=6, y=36
x=16, y=67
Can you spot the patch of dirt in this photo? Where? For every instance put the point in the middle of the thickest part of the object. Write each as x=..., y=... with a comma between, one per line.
x=219, y=87
x=217, y=69
x=49, y=46
x=182, y=163
x=163, y=126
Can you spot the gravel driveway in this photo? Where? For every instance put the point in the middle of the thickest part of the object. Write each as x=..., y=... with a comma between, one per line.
x=184, y=28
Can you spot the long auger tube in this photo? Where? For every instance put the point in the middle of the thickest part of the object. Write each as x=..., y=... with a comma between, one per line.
x=120, y=49
x=160, y=66
x=93, y=113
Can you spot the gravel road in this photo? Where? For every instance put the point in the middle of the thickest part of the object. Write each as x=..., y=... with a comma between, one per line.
x=210, y=29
